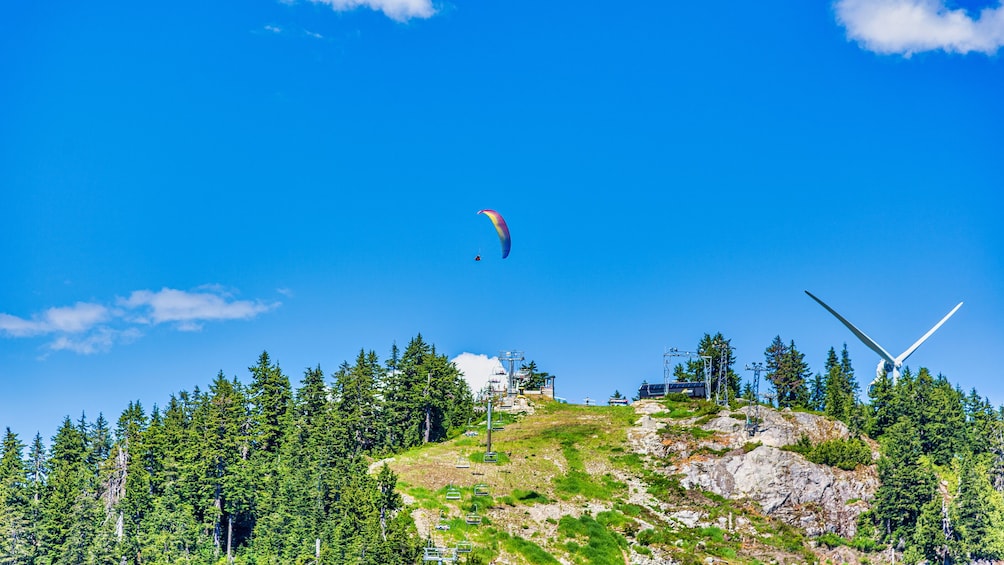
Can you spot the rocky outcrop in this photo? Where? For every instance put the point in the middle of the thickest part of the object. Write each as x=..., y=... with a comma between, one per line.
x=736, y=465
x=813, y=497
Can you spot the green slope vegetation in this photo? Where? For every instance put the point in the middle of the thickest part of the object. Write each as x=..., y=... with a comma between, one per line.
x=570, y=487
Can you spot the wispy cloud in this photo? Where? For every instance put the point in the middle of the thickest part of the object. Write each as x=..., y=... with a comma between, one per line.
x=101, y=339
x=189, y=309
x=69, y=319
x=912, y=26
x=399, y=10
x=88, y=327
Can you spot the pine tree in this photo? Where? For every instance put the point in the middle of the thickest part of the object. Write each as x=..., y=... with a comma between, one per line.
x=270, y=399
x=978, y=512
x=70, y=510
x=817, y=394
x=225, y=492
x=929, y=539
x=944, y=421
x=906, y=484
x=356, y=405
x=15, y=527
x=838, y=401
x=882, y=406
x=788, y=373
x=722, y=356
x=38, y=472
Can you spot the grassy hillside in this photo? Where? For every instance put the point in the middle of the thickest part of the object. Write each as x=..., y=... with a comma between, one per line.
x=568, y=488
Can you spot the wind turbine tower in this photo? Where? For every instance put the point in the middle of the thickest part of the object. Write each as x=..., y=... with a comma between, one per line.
x=888, y=363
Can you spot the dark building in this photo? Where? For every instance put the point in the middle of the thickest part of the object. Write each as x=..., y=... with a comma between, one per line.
x=659, y=390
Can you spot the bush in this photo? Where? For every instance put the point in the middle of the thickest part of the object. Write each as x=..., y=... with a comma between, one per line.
x=845, y=454
x=831, y=540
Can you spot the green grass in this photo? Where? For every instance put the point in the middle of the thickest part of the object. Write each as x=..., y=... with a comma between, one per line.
x=531, y=551
x=592, y=540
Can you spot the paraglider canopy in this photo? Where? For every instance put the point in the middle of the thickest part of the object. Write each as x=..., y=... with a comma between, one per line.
x=501, y=228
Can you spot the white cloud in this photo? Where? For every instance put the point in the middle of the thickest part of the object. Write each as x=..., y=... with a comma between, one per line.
x=189, y=308
x=13, y=326
x=477, y=369
x=80, y=317
x=912, y=26
x=400, y=10
x=87, y=327
x=102, y=339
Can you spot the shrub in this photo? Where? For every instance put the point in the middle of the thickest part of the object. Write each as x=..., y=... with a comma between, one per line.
x=845, y=454
x=831, y=540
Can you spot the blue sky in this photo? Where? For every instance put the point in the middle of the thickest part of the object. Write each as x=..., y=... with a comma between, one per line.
x=185, y=186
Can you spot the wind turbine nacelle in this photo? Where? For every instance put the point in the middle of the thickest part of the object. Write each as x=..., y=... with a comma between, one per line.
x=883, y=368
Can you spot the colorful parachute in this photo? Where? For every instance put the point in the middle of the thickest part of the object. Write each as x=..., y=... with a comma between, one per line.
x=500, y=227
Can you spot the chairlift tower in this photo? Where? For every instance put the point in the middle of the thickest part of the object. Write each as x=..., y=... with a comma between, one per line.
x=510, y=360
x=753, y=421
x=721, y=383
x=668, y=365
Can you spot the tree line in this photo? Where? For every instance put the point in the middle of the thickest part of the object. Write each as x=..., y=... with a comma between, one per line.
x=255, y=473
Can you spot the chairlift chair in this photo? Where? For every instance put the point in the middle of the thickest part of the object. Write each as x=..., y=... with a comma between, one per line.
x=465, y=546
x=452, y=493
x=473, y=518
x=463, y=462
x=481, y=489
x=443, y=525
x=491, y=457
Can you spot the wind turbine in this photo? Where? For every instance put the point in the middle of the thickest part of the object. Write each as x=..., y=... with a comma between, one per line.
x=888, y=363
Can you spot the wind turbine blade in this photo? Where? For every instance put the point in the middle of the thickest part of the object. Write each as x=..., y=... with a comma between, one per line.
x=908, y=352
x=861, y=335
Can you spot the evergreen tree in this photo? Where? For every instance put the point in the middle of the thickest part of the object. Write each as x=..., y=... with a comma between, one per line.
x=534, y=379
x=136, y=497
x=978, y=512
x=721, y=355
x=270, y=399
x=839, y=399
x=944, y=420
x=817, y=394
x=906, y=484
x=722, y=360
x=38, y=472
x=357, y=407
x=70, y=510
x=15, y=528
x=883, y=406
x=930, y=541
x=225, y=488
x=788, y=373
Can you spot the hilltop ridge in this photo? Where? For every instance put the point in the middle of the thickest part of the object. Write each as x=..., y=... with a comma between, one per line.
x=670, y=481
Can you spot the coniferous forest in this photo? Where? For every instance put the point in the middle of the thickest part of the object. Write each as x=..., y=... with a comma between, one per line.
x=267, y=473
x=259, y=472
